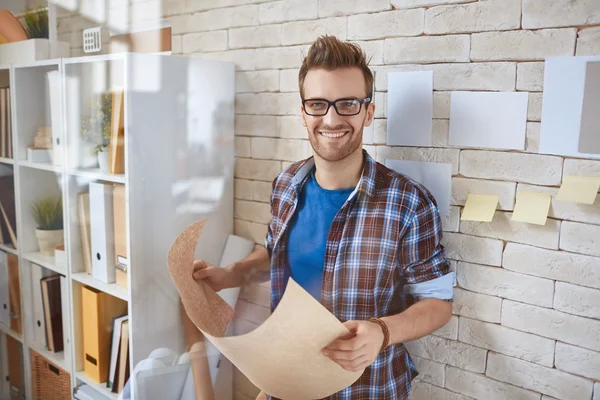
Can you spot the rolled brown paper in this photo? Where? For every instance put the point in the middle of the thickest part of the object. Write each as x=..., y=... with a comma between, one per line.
x=282, y=357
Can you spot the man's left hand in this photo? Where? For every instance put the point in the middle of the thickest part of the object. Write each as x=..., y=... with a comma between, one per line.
x=358, y=350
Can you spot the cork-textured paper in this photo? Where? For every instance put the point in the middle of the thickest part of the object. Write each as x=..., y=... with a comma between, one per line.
x=282, y=357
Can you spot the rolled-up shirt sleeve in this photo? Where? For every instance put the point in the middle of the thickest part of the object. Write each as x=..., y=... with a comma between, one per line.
x=425, y=269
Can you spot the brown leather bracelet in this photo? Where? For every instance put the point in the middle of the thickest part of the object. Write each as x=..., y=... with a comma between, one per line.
x=386, y=332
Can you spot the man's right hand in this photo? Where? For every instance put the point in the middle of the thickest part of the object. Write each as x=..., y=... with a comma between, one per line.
x=217, y=278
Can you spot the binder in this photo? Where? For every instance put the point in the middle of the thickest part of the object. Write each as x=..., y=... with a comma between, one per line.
x=123, y=367
x=39, y=323
x=114, y=351
x=120, y=234
x=4, y=387
x=8, y=217
x=83, y=209
x=64, y=300
x=117, y=134
x=15, y=368
x=98, y=310
x=4, y=295
x=102, y=230
x=14, y=291
x=53, y=312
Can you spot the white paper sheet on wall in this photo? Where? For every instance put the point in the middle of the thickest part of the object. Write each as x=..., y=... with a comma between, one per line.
x=410, y=108
x=488, y=120
x=562, y=104
x=436, y=177
x=589, y=139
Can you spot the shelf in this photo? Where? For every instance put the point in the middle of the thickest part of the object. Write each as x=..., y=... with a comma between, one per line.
x=98, y=175
x=55, y=358
x=4, y=160
x=8, y=249
x=11, y=333
x=42, y=166
x=45, y=261
x=99, y=387
x=111, y=288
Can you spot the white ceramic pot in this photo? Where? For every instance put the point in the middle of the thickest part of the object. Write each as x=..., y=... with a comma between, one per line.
x=104, y=160
x=49, y=240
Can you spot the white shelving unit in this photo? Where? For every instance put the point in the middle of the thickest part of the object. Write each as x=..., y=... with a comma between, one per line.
x=179, y=119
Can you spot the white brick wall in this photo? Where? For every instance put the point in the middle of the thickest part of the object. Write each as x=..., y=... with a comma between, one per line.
x=497, y=76
x=382, y=25
x=521, y=287
x=449, y=352
x=427, y=49
x=506, y=284
x=530, y=76
x=558, y=265
x=507, y=341
x=545, y=14
x=540, y=379
x=588, y=42
x=552, y=324
x=502, y=227
x=430, y=371
x=481, y=387
x=577, y=300
x=461, y=187
x=577, y=360
x=580, y=238
x=527, y=168
x=523, y=45
x=474, y=249
x=476, y=305
x=490, y=15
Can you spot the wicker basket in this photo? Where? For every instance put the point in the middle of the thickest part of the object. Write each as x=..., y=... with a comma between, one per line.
x=49, y=381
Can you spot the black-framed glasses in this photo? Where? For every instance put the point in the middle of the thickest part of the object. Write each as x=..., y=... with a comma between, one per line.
x=344, y=107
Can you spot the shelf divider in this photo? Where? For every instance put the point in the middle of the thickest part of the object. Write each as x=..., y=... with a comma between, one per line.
x=110, y=288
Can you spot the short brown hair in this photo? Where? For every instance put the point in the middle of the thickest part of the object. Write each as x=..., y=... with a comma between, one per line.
x=329, y=52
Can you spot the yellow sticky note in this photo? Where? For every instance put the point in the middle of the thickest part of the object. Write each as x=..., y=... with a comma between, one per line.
x=579, y=189
x=479, y=207
x=532, y=207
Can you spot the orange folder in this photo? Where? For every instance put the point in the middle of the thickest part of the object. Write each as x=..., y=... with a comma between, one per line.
x=98, y=309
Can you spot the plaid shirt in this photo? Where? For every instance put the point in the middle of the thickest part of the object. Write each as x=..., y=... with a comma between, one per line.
x=386, y=235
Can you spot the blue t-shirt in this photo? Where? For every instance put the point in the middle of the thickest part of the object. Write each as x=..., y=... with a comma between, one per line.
x=308, y=232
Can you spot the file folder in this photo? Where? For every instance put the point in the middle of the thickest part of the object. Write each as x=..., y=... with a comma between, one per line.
x=66, y=324
x=102, y=230
x=14, y=292
x=120, y=233
x=15, y=367
x=39, y=322
x=4, y=296
x=98, y=310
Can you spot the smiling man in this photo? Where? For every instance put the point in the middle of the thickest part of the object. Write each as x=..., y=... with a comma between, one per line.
x=362, y=239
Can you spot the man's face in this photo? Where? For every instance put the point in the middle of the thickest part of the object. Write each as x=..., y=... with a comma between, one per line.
x=334, y=137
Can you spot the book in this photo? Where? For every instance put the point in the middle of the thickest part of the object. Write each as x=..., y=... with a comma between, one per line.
x=7, y=199
x=51, y=298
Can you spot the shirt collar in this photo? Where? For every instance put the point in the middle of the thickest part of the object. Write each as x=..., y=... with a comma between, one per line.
x=365, y=185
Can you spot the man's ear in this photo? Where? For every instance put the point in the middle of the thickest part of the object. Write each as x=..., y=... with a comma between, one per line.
x=370, y=114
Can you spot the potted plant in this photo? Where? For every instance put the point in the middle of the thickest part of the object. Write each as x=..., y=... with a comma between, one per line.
x=95, y=129
x=48, y=215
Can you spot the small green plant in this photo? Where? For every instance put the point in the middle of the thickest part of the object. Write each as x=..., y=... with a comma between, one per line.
x=36, y=23
x=48, y=213
x=95, y=127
